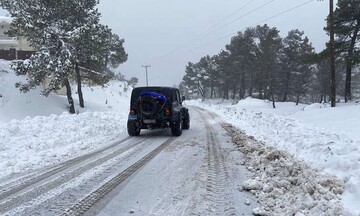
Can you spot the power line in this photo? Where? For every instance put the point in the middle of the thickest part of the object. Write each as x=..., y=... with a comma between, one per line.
x=228, y=35
x=233, y=13
x=293, y=8
x=206, y=33
x=231, y=22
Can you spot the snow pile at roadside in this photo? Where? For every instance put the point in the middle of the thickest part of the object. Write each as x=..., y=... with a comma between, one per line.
x=326, y=141
x=37, y=131
x=5, y=19
x=40, y=141
x=283, y=185
x=16, y=105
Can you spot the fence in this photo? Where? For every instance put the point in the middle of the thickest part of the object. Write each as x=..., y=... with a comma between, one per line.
x=13, y=54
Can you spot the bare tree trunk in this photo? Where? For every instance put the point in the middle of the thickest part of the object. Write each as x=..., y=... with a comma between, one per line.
x=349, y=64
x=273, y=100
x=266, y=83
x=321, y=97
x=332, y=56
x=297, y=99
x=287, y=82
x=325, y=87
x=226, y=93
x=78, y=79
x=234, y=91
x=348, y=83
x=285, y=97
x=251, y=87
x=211, y=91
x=69, y=97
x=220, y=90
x=242, y=89
x=251, y=90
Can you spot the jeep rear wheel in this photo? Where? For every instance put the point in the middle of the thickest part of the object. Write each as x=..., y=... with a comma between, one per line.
x=186, y=123
x=132, y=129
x=176, y=128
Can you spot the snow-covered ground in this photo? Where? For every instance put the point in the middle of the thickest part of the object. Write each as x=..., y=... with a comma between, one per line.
x=36, y=131
x=324, y=137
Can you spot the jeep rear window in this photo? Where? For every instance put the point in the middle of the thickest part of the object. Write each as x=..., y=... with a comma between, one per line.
x=137, y=92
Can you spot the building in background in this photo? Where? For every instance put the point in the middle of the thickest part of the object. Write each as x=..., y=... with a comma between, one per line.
x=12, y=48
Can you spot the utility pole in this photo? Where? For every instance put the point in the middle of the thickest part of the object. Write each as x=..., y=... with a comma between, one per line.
x=146, y=67
x=332, y=54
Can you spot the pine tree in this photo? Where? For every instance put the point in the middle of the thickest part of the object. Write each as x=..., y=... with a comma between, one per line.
x=49, y=27
x=67, y=38
x=242, y=49
x=267, y=55
x=96, y=49
x=347, y=30
x=295, y=70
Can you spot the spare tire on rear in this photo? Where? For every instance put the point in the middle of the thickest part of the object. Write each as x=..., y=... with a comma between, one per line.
x=151, y=103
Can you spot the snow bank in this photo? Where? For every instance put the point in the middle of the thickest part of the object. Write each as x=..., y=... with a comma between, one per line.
x=285, y=186
x=36, y=131
x=45, y=140
x=5, y=19
x=325, y=138
x=16, y=105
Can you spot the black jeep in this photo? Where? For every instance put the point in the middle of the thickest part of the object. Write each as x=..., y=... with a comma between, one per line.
x=157, y=108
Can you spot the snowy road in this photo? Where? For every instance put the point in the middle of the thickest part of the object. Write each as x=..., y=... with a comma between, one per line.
x=153, y=174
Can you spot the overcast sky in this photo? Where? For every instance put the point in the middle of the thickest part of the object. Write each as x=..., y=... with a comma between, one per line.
x=155, y=31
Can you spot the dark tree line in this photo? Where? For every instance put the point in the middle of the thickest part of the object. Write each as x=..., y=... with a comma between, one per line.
x=69, y=43
x=260, y=63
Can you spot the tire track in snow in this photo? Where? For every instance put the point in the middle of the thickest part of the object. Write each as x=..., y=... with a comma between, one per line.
x=90, y=200
x=15, y=185
x=53, y=179
x=217, y=197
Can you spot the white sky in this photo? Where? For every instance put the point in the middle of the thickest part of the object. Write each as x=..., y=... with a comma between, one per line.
x=152, y=29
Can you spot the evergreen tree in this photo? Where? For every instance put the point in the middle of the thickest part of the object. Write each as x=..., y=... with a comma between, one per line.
x=258, y=61
x=96, y=50
x=49, y=27
x=67, y=38
x=133, y=81
x=347, y=30
x=296, y=70
x=267, y=56
x=194, y=79
x=242, y=49
x=225, y=72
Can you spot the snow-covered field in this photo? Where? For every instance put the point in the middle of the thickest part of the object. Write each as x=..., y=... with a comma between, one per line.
x=36, y=131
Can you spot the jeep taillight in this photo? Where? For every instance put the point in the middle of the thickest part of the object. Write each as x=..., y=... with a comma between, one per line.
x=132, y=111
x=167, y=112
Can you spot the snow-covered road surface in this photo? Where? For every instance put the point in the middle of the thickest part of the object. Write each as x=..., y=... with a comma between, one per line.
x=53, y=190
x=198, y=173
